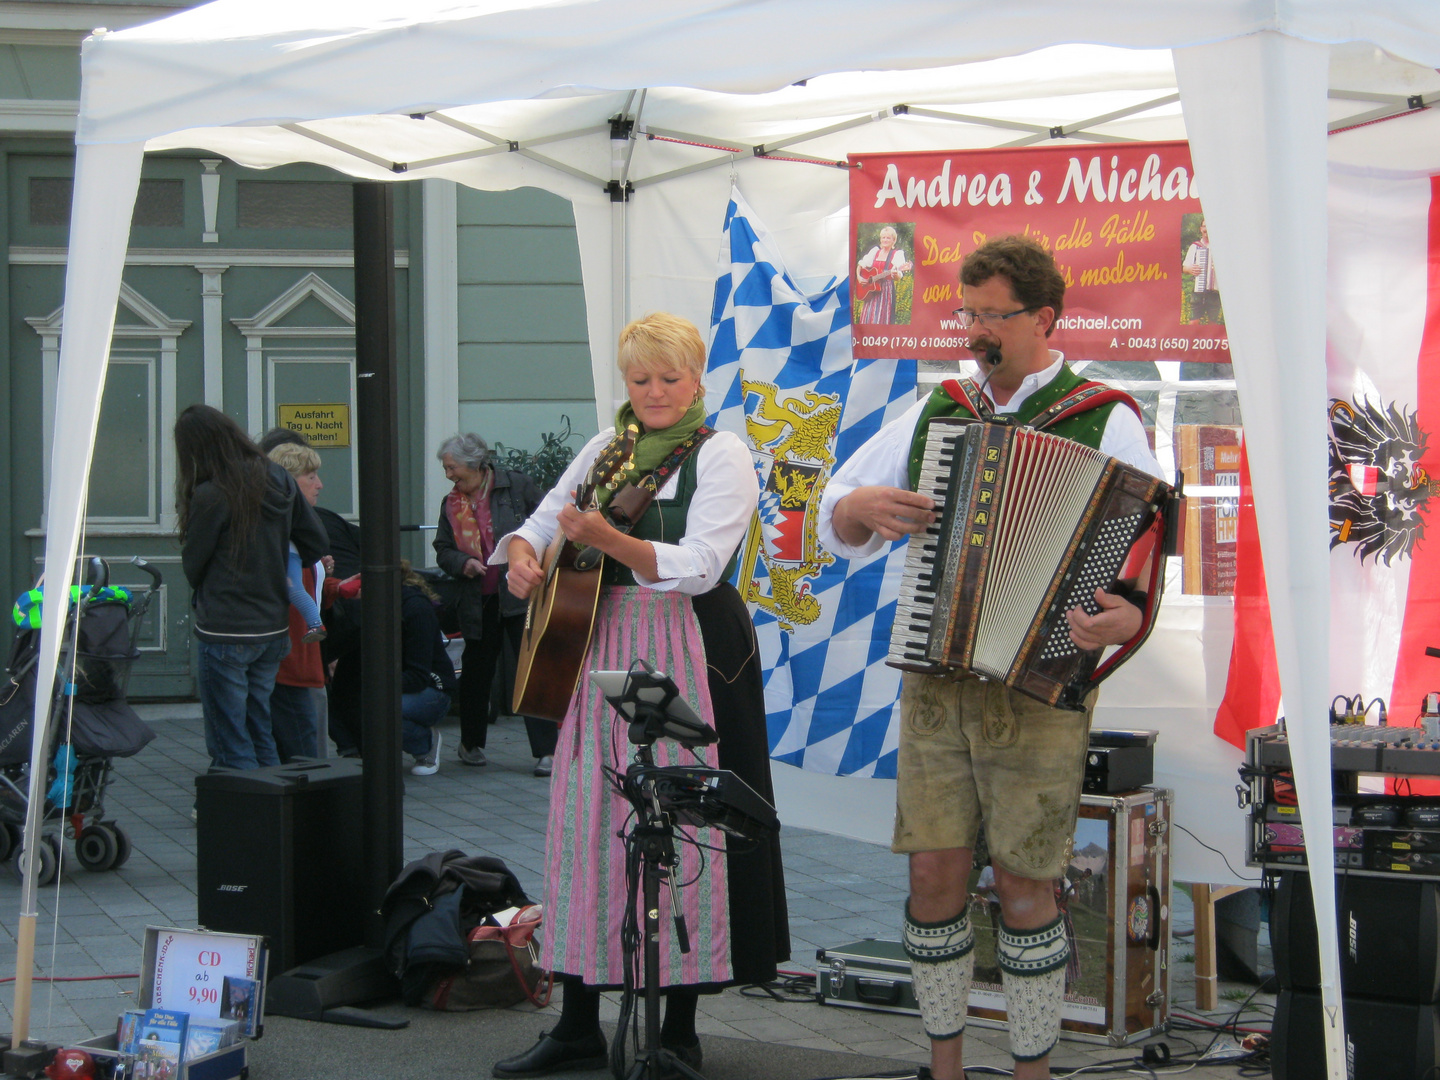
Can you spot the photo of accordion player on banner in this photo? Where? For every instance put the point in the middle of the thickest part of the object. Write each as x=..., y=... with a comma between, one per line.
x=1037, y=528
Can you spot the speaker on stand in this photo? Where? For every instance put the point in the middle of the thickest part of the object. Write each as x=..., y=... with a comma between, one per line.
x=1389, y=975
x=277, y=852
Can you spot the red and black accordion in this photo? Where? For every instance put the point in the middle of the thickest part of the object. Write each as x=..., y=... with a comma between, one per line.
x=1028, y=526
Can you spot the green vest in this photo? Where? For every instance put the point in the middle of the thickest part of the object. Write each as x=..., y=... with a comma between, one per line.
x=664, y=523
x=1086, y=428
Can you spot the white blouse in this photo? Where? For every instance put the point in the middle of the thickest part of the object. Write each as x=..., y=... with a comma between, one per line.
x=884, y=459
x=727, y=490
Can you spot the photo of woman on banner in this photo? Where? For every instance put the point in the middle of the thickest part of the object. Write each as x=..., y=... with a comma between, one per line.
x=879, y=273
x=1197, y=270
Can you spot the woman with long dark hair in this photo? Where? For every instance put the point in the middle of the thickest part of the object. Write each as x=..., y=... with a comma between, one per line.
x=238, y=514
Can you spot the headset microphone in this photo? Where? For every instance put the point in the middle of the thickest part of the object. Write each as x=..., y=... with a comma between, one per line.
x=992, y=360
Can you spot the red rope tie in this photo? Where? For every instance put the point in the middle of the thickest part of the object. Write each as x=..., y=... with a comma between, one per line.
x=1381, y=119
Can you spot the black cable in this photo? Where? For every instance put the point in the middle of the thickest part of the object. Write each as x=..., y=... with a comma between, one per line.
x=1217, y=851
x=793, y=989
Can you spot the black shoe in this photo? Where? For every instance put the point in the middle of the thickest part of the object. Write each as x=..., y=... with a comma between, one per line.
x=686, y=1055
x=550, y=1055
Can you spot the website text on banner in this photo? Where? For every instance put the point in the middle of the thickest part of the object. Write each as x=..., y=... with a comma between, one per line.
x=1124, y=224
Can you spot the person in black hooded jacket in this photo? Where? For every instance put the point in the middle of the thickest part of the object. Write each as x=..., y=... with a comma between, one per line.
x=427, y=677
x=238, y=514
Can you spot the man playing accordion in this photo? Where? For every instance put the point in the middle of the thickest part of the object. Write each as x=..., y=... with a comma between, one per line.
x=972, y=750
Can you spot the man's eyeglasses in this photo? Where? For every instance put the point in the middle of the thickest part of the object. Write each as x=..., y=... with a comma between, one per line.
x=967, y=319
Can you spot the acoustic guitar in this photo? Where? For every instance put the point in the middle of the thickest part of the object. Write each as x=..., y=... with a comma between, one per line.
x=868, y=279
x=561, y=618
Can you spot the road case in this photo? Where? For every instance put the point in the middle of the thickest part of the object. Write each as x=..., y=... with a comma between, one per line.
x=1116, y=894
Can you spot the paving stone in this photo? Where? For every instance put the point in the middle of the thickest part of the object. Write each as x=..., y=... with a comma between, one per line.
x=839, y=890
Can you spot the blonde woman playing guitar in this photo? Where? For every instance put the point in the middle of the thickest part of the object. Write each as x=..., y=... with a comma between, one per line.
x=665, y=598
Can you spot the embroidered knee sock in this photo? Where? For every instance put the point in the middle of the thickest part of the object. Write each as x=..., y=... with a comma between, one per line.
x=1032, y=969
x=942, y=961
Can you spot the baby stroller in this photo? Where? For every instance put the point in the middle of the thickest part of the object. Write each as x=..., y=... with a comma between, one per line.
x=91, y=721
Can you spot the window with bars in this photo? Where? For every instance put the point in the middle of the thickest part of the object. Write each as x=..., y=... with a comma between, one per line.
x=158, y=203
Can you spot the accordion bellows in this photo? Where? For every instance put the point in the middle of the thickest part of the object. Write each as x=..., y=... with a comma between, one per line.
x=1028, y=526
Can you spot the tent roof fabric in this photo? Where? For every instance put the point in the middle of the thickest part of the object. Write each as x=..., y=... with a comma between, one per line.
x=237, y=62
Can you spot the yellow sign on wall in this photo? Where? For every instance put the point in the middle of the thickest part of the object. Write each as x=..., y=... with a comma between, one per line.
x=324, y=425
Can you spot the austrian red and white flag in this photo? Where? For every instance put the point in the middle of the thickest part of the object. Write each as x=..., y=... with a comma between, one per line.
x=1383, y=357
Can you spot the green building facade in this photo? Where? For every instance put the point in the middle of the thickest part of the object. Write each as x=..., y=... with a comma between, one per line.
x=238, y=291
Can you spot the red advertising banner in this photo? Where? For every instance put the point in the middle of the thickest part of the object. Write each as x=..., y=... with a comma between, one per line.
x=1123, y=221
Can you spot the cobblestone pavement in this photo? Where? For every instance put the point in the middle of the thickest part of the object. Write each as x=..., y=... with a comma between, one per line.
x=839, y=890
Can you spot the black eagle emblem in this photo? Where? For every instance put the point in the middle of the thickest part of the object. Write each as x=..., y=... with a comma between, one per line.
x=1378, y=488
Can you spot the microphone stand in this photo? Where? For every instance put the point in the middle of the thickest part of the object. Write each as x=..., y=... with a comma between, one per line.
x=651, y=843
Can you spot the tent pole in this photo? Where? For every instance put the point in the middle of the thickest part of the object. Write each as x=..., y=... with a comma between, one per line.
x=24, y=973
x=620, y=191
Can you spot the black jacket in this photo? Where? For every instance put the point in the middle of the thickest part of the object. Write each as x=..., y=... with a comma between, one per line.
x=423, y=659
x=245, y=601
x=513, y=498
x=344, y=542
x=432, y=906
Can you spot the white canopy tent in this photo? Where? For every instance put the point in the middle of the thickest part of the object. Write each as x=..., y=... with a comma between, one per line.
x=507, y=93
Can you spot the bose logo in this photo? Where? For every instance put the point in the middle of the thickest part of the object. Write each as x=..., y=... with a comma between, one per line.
x=232, y=888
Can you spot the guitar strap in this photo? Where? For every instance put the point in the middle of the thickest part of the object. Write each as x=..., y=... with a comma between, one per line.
x=630, y=501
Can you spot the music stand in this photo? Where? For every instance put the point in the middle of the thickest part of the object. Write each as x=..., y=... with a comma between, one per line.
x=649, y=701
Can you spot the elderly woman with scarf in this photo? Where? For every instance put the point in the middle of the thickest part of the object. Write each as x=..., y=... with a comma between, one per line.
x=487, y=502
x=667, y=600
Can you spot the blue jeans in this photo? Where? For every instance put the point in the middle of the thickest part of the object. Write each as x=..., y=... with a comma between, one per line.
x=235, y=682
x=419, y=712
x=294, y=721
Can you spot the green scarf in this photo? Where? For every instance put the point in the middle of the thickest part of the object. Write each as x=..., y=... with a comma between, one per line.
x=652, y=447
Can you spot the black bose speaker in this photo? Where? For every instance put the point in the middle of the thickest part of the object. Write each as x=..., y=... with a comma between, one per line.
x=1384, y=1040
x=1389, y=937
x=278, y=852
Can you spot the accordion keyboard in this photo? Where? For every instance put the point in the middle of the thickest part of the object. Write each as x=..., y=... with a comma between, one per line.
x=1106, y=557
x=911, y=632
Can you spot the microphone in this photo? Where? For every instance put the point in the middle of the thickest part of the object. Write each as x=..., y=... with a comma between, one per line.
x=992, y=359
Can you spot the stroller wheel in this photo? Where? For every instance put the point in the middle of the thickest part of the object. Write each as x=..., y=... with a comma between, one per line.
x=96, y=848
x=122, y=845
x=48, y=862
x=9, y=840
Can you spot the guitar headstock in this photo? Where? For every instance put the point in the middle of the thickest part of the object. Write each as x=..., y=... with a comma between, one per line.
x=610, y=467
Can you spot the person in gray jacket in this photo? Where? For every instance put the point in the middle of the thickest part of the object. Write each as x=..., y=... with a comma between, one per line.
x=486, y=504
x=238, y=514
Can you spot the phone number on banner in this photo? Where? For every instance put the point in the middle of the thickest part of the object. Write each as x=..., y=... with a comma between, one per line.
x=1178, y=344
x=900, y=342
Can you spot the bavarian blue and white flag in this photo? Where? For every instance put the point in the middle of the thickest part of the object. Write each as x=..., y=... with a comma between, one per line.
x=781, y=369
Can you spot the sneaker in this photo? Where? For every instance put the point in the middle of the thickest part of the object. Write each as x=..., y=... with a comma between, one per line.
x=544, y=766
x=472, y=755
x=428, y=764
x=314, y=634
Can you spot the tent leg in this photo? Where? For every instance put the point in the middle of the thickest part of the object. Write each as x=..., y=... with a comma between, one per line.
x=24, y=972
